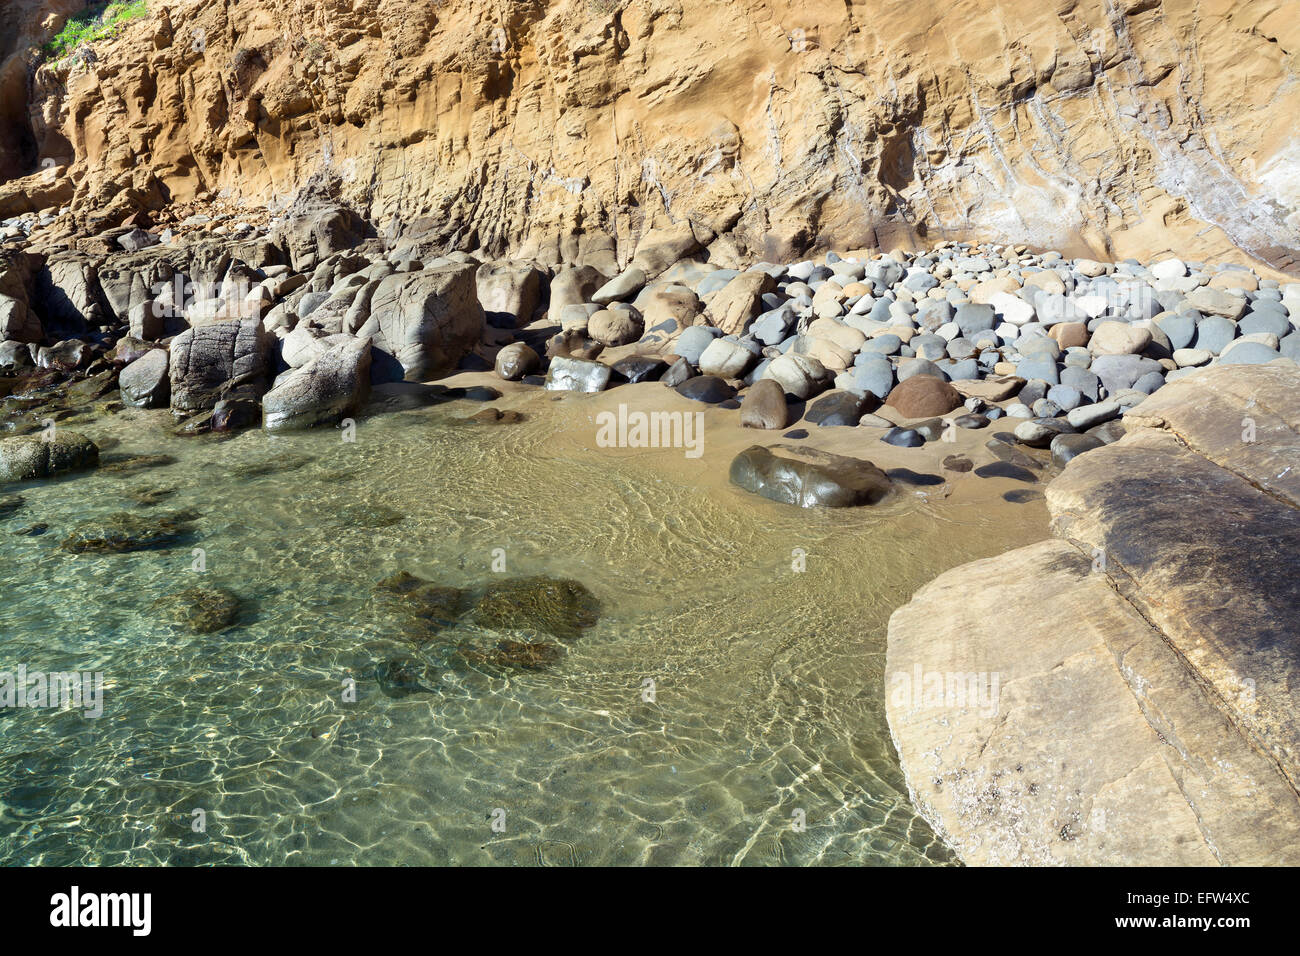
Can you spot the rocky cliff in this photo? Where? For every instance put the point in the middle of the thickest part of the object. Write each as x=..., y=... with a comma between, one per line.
x=562, y=129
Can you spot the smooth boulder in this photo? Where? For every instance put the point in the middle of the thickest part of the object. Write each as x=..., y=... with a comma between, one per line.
x=808, y=478
x=145, y=383
x=28, y=457
x=324, y=391
x=423, y=322
x=923, y=396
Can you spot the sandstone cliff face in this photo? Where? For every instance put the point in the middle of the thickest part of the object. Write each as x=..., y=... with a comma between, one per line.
x=558, y=129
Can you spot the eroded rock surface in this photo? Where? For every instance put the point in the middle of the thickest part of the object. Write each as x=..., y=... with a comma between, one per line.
x=1139, y=673
x=594, y=132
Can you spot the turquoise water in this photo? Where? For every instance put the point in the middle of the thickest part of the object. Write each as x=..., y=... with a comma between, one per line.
x=768, y=703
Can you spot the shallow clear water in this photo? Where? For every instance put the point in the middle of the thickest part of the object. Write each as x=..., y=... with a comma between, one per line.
x=768, y=682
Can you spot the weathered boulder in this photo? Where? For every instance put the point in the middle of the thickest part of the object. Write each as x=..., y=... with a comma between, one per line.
x=640, y=368
x=1161, y=723
x=798, y=375
x=573, y=286
x=423, y=322
x=726, y=358
x=330, y=387
x=66, y=355
x=315, y=229
x=18, y=323
x=736, y=304
x=1210, y=301
x=68, y=294
x=764, y=406
x=515, y=361
x=623, y=286
x=614, y=327
x=15, y=356
x=808, y=477
x=28, y=457
x=1026, y=742
x=303, y=344
x=1118, y=338
x=673, y=304
x=212, y=360
x=145, y=382
x=836, y=408
x=508, y=292
x=709, y=389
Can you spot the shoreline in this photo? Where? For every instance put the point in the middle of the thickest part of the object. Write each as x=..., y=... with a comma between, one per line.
x=959, y=381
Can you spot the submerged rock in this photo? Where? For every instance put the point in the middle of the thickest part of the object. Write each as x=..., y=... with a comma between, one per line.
x=148, y=497
x=271, y=466
x=512, y=655
x=425, y=608
x=808, y=477
x=29, y=457
x=560, y=607
x=400, y=677
x=200, y=609
x=89, y=389
x=9, y=504
x=364, y=514
x=496, y=416
x=129, y=464
x=125, y=531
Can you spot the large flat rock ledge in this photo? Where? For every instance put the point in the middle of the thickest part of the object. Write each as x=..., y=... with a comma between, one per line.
x=1126, y=692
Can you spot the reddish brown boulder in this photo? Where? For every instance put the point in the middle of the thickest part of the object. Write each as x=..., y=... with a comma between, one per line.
x=923, y=396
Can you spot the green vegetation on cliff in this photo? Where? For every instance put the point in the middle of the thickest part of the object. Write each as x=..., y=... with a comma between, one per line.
x=94, y=23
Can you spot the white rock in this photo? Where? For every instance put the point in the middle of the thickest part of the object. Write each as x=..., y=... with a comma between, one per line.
x=1092, y=305
x=1012, y=308
x=1169, y=269
x=726, y=359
